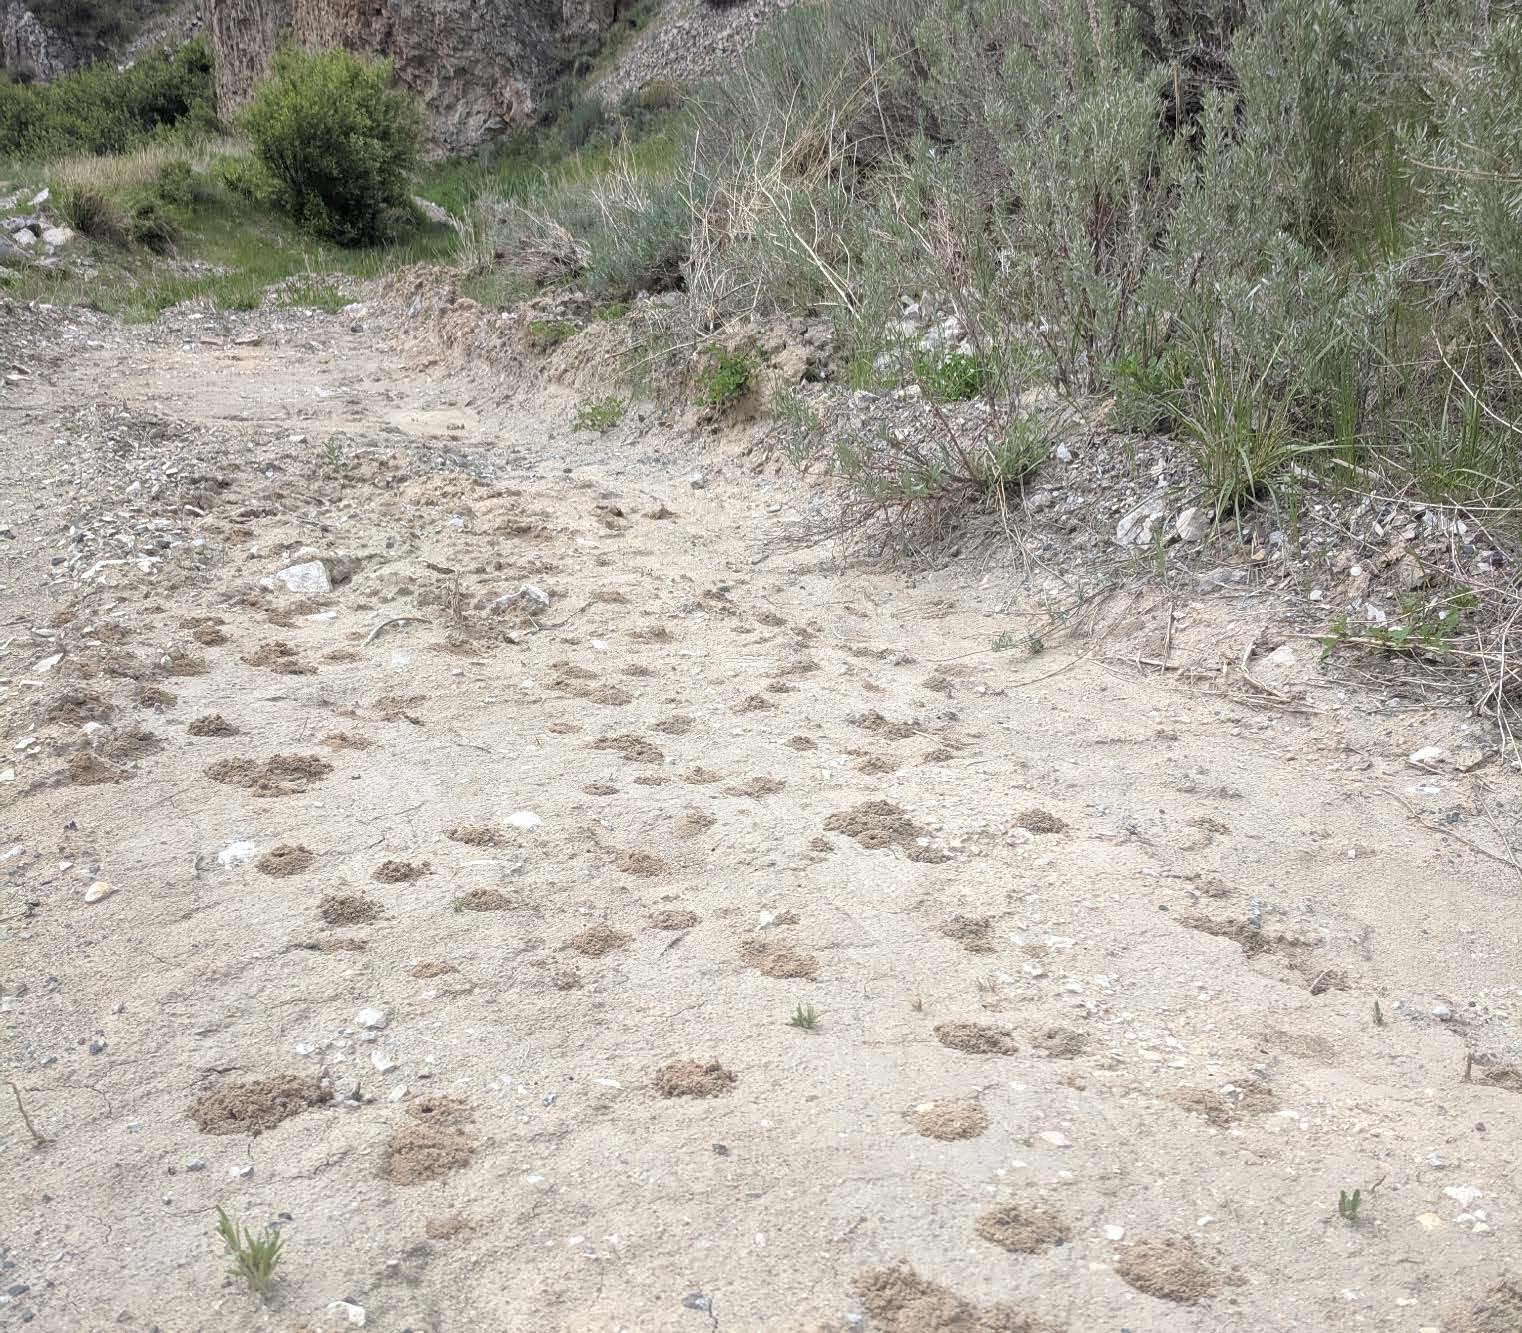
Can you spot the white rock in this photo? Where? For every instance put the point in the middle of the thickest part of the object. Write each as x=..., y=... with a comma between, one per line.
x=374, y=1019
x=355, y=1314
x=46, y=664
x=1463, y=1195
x=398, y=1093
x=7, y=775
x=529, y=593
x=696, y=480
x=1115, y=1233
x=99, y=890
x=1192, y=524
x=56, y=236
x=236, y=854
x=1426, y=756
x=1057, y=1140
x=383, y=1063
x=311, y=576
x=41, y=197
x=524, y=819
x=24, y=238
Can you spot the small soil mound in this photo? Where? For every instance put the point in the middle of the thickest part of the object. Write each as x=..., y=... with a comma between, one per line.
x=347, y=909
x=212, y=724
x=73, y=708
x=701, y=777
x=674, y=918
x=635, y=749
x=772, y=958
x=132, y=743
x=600, y=789
x=285, y=860
x=439, y=1110
x=1169, y=1269
x=423, y=1152
x=757, y=788
x=208, y=636
x=1039, y=821
x=448, y=1226
x=339, y=945
x=693, y=1078
x=1499, y=1310
x=595, y=941
x=399, y=872
x=875, y=824
x=1023, y=1228
x=694, y=823
x=252, y=1108
x=755, y=703
x=344, y=740
x=900, y=1301
x=1239, y=1102
x=482, y=900
x=1060, y=1043
x=878, y=725
x=427, y=971
x=88, y=770
x=676, y=725
x=971, y=932
x=279, y=775
x=800, y=743
x=476, y=835
x=641, y=863
x=950, y=1121
x=976, y=1038
x=280, y=658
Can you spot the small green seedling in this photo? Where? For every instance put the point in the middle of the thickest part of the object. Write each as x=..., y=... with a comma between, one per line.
x=1379, y=1015
x=726, y=378
x=1347, y=1206
x=253, y=1257
x=805, y=1016
x=599, y=414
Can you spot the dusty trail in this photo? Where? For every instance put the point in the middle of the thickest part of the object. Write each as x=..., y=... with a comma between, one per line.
x=1127, y=937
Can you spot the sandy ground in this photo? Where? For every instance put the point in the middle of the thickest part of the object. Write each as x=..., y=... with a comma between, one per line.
x=1094, y=957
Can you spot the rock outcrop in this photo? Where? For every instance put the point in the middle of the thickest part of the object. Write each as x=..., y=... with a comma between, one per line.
x=31, y=49
x=477, y=65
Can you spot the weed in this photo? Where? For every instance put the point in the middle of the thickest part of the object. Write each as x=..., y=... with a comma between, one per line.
x=91, y=212
x=599, y=414
x=951, y=376
x=805, y=1016
x=610, y=312
x=335, y=456
x=546, y=334
x=726, y=378
x=1348, y=1205
x=254, y=1258
x=1379, y=1017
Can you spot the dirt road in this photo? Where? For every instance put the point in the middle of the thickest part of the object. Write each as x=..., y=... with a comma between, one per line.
x=490, y=916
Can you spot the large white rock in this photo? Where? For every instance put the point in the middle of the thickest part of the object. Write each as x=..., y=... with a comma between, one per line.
x=309, y=576
x=56, y=236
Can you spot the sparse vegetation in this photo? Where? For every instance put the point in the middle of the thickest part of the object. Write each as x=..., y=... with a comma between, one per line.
x=1348, y=1206
x=725, y=377
x=600, y=414
x=254, y=1257
x=806, y=1017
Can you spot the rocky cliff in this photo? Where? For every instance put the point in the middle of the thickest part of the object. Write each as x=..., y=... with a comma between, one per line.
x=477, y=65
x=32, y=50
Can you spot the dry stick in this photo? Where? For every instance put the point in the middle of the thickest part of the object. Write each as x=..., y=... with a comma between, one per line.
x=386, y=624
x=37, y=1139
x=1473, y=846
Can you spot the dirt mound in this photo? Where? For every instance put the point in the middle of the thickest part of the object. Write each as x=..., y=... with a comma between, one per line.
x=971, y=932
x=482, y=900
x=73, y=708
x=1039, y=821
x=279, y=775
x=476, y=835
x=1170, y=1269
x=1023, y=1228
x=595, y=941
x=1499, y=1310
x=212, y=724
x=693, y=1078
x=901, y=1301
x=347, y=909
x=399, y=872
x=427, y=971
x=252, y=1108
x=422, y=1152
x=875, y=824
x=285, y=860
x=674, y=918
x=773, y=958
x=89, y=770
x=281, y=658
x=976, y=1038
x=440, y=1110
x=950, y=1121
x=635, y=749
x=1061, y=1043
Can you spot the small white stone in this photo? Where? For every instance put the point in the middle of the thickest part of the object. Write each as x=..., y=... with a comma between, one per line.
x=99, y=890
x=355, y=1314
x=1425, y=757
x=1463, y=1195
x=375, y=1019
x=1113, y=1232
x=236, y=854
x=524, y=819
x=383, y=1063
x=1057, y=1140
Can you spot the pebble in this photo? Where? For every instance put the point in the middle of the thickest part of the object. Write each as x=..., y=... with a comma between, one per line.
x=524, y=819
x=695, y=1301
x=355, y=1314
x=375, y=1019
x=99, y=890
x=236, y=854
x=311, y=576
x=240, y=1172
x=195, y=1164
x=383, y=1063
x=696, y=480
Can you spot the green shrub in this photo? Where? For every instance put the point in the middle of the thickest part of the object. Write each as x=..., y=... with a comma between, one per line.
x=338, y=143
x=91, y=212
x=244, y=177
x=599, y=414
x=951, y=376
x=726, y=377
x=546, y=334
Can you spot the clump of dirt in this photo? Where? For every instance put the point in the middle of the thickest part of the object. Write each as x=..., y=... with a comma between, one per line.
x=212, y=724
x=253, y=1107
x=875, y=824
x=88, y=770
x=150, y=696
x=701, y=777
x=755, y=703
x=634, y=749
x=345, y=740
x=186, y=665
x=641, y=863
x=674, y=918
x=285, y=860
x=876, y=765
x=694, y=823
x=976, y=1038
x=600, y=789
x=772, y=958
x=339, y=945
x=1247, y=1099
x=950, y=1121
x=1168, y=1268
x=347, y=909
x=279, y=775
x=971, y=932
x=398, y=708
x=1039, y=821
x=758, y=788
x=565, y=978
x=73, y=708
x=878, y=725
x=421, y=1153
x=476, y=835
x=1060, y=1043
x=901, y=1301
x=426, y=971
x=1506, y=1077
x=1023, y=1228
x=436, y=1109
x=693, y=1078
x=132, y=743
x=279, y=657
x=652, y=634
x=1499, y=1310
x=595, y=941
x=209, y=636
x=482, y=900
x=676, y=725
x=801, y=743
x=400, y=872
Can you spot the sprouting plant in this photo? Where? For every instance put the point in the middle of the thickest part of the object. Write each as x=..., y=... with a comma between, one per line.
x=254, y=1258
x=599, y=414
x=1348, y=1204
x=335, y=455
x=1379, y=1017
x=544, y=334
x=726, y=378
x=1004, y=641
x=951, y=376
x=805, y=1016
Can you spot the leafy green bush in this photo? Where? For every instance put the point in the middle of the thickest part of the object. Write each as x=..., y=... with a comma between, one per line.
x=951, y=375
x=101, y=109
x=91, y=212
x=599, y=414
x=726, y=377
x=338, y=142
